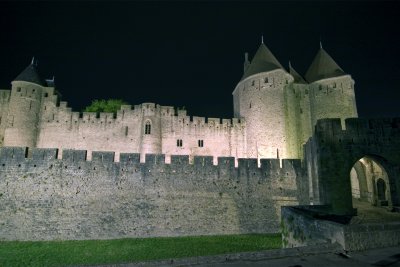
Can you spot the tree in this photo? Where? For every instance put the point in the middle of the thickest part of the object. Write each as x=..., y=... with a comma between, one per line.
x=102, y=105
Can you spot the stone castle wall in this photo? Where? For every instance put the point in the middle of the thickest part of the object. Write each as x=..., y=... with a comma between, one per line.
x=60, y=127
x=44, y=198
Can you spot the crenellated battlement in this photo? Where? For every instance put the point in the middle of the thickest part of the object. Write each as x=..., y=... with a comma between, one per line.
x=11, y=157
x=128, y=112
x=359, y=130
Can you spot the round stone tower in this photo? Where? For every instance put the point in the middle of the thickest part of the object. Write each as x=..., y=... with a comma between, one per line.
x=332, y=90
x=24, y=108
x=259, y=98
x=151, y=129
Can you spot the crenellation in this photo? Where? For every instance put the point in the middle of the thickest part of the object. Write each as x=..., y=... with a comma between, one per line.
x=154, y=159
x=291, y=165
x=270, y=165
x=181, y=113
x=13, y=153
x=103, y=156
x=44, y=154
x=178, y=160
x=63, y=105
x=202, y=161
x=5, y=96
x=129, y=158
x=247, y=163
x=71, y=155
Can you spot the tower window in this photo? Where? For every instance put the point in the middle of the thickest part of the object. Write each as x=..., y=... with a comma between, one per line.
x=147, y=128
x=252, y=83
x=18, y=89
x=179, y=142
x=266, y=80
x=200, y=143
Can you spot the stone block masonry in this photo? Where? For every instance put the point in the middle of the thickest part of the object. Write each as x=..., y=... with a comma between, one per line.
x=46, y=198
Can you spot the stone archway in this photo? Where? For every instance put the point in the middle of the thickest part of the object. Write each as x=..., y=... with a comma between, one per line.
x=333, y=151
x=370, y=182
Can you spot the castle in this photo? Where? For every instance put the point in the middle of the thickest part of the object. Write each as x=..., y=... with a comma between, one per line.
x=275, y=111
x=153, y=170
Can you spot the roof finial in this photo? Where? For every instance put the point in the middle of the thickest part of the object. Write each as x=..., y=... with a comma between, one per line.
x=320, y=42
x=33, y=61
x=262, y=38
x=290, y=65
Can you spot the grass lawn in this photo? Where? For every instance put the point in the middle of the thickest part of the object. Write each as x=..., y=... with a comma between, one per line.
x=90, y=252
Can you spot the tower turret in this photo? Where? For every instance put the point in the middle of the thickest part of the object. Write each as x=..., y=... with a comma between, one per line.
x=259, y=99
x=331, y=89
x=24, y=108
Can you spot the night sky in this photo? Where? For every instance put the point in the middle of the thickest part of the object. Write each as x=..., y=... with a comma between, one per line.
x=191, y=53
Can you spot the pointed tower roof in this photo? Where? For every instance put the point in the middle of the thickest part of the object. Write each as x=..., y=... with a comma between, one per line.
x=297, y=77
x=262, y=61
x=30, y=74
x=322, y=67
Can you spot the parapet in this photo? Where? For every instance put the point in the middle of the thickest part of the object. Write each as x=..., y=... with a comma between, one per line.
x=72, y=155
x=11, y=157
x=358, y=130
x=103, y=156
x=13, y=153
x=129, y=158
x=328, y=126
x=44, y=153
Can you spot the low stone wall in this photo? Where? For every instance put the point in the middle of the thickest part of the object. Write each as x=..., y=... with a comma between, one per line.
x=300, y=228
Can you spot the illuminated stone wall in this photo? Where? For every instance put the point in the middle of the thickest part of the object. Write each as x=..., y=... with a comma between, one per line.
x=61, y=128
x=43, y=198
x=260, y=100
x=275, y=117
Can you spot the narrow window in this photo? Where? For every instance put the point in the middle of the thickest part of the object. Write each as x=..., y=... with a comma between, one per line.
x=18, y=89
x=252, y=83
x=126, y=130
x=200, y=143
x=266, y=80
x=179, y=142
x=147, y=128
x=250, y=105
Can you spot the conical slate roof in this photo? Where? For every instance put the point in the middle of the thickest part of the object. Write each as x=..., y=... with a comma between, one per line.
x=262, y=61
x=322, y=67
x=30, y=74
x=297, y=77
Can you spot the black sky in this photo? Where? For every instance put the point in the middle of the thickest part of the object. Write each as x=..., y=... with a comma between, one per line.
x=191, y=53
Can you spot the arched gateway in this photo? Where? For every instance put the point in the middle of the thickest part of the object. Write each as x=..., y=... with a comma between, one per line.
x=360, y=161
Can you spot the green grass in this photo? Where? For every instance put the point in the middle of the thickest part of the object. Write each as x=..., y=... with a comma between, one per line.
x=90, y=252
